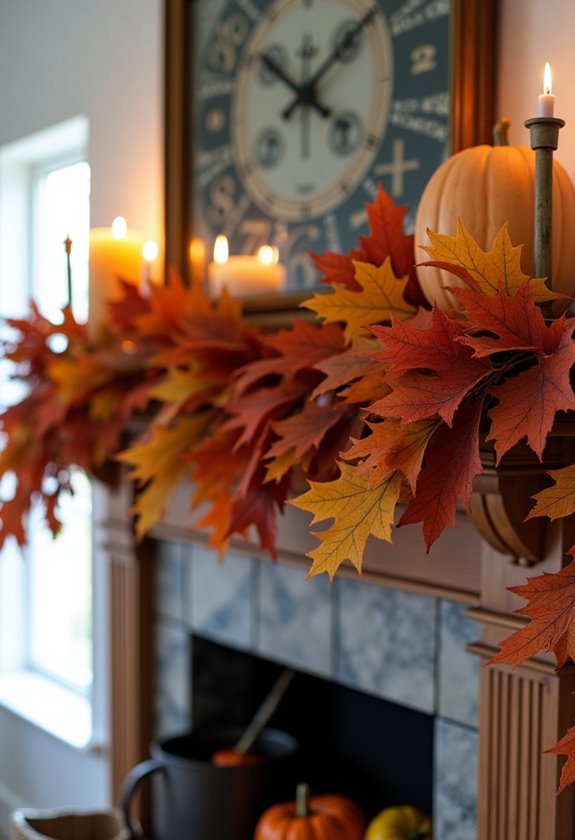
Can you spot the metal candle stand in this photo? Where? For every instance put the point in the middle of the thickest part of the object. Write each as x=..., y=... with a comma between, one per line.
x=544, y=132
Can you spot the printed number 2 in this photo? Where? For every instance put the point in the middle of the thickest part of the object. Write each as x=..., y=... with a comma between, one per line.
x=423, y=59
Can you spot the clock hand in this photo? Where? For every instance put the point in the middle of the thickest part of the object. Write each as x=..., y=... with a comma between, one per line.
x=307, y=90
x=309, y=97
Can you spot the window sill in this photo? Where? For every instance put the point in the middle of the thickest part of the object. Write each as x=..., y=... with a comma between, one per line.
x=51, y=707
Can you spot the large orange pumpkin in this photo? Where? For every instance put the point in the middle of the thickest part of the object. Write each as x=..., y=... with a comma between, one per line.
x=487, y=186
x=326, y=817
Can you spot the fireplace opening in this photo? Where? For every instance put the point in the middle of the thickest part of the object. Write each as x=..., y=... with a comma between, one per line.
x=378, y=753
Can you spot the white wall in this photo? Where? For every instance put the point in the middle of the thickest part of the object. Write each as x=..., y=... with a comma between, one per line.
x=102, y=59
x=533, y=32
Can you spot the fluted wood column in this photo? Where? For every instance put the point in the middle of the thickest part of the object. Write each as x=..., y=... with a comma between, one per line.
x=130, y=568
x=523, y=711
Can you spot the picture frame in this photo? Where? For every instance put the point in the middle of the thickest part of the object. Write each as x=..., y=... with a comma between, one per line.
x=472, y=116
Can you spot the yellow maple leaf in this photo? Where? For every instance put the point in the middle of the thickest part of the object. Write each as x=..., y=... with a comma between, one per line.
x=279, y=466
x=181, y=386
x=559, y=500
x=104, y=405
x=75, y=378
x=491, y=270
x=380, y=297
x=358, y=511
x=160, y=462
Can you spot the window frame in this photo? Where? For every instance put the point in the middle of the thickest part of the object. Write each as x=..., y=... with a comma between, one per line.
x=23, y=686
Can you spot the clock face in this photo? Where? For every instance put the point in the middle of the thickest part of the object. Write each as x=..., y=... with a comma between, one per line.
x=302, y=107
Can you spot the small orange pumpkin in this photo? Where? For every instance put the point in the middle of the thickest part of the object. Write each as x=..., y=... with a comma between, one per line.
x=487, y=186
x=325, y=817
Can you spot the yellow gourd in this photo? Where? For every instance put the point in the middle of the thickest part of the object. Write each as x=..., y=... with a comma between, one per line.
x=487, y=186
x=401, y=822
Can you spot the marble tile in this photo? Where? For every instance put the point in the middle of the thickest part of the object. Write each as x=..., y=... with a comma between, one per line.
x=455, y=781
x=168, y=580
x=458, y=677
x=172, y=691
x=386, y=643
x=220, y=597
x=295, y=618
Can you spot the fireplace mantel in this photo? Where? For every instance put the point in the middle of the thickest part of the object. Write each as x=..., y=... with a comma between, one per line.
x=522, y=711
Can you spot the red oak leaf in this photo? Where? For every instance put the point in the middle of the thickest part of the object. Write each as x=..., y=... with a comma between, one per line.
x=529, y=401
x=566, y=746
x=551, y=607
x=430, y=370
x=516, y=322
x=306, y=429
x=451, y=463
x=392, y=447
x=343, y=368
x=258, y=507
x=387, y=238
x=297, y=349
x=252, y=411
x=426, y=345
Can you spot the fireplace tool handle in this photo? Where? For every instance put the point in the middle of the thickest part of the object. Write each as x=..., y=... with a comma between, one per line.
x=264, y=713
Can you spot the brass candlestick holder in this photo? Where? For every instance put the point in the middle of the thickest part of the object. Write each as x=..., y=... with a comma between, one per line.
x=68, y=248
x=544, y=133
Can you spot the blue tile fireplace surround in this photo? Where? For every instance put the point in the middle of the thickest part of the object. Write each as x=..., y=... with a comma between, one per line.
x=406, y=648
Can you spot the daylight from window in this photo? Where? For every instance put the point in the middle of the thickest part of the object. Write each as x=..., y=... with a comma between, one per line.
x=59, y=591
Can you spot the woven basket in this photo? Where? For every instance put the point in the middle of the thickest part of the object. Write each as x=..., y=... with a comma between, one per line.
x=27, y=824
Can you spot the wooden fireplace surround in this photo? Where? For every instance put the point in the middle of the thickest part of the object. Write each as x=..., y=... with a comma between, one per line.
x=522, y=711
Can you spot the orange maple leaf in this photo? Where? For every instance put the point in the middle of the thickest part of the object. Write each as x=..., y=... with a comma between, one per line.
x=559, y=500
x=551, y=607
x=566, y=746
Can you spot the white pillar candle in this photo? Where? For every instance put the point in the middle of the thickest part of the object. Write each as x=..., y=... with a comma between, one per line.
x=546, y=104
x=245, y=275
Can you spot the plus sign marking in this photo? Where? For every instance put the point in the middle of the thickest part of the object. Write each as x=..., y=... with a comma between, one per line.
x=397, y=168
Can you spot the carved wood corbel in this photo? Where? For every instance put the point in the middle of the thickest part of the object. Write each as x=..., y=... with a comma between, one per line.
x=503, y=496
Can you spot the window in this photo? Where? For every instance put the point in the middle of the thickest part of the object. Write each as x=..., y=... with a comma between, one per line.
x=47, y=667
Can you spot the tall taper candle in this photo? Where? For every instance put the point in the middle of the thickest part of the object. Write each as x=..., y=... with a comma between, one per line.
x=544, y=134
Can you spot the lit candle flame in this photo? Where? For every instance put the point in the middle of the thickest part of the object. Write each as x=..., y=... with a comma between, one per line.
x=221, y=249
x=268, y=255
x=547, y=80
x=150, y=250
x=119, y=228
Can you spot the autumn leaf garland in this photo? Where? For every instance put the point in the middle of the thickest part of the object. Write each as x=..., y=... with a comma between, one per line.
x=380, y=402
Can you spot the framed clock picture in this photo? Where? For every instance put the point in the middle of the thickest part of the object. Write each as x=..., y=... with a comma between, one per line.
x=284, y=116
